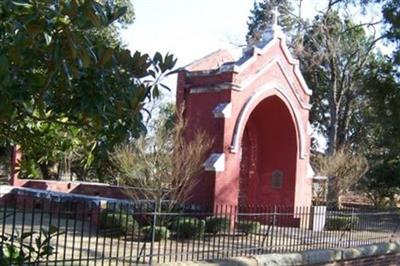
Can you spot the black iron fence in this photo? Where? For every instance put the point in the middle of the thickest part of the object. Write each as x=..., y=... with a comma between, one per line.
x=53, y=232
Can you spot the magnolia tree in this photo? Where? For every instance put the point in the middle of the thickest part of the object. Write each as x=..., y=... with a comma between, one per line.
x=69, y=88
x=163, y=164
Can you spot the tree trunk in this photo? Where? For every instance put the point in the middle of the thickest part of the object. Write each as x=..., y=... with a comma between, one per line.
x=44, y=168
x=332, y=200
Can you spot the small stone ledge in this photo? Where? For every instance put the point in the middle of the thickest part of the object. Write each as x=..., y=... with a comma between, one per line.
x=239, y=261
x=323, y=256
x=311, y=257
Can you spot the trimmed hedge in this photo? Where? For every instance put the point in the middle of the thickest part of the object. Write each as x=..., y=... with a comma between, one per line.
x=118, y=223
x=215, y=225
x=341, y=222
x=161, y=233
x=188, y=227
x=248, y=227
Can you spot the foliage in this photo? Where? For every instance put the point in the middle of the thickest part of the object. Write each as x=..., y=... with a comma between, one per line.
x=15, y=250
x=67, y=87
x=188, y=227
x=343, y=169
x=216, y=225
x=391, y=14
x=248, y=227
x=4, y=160
x=160, y=233
x=382, y=119
x=162, y=165
x=382, y=183
x=380, y=125
x=118, y=222
x=345, y=222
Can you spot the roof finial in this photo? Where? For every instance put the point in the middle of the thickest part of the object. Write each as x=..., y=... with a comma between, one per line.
x=275, y=15
x=273, y=30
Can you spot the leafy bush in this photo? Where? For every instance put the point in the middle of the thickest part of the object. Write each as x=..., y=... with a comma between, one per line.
x=118, y=222
x=188, y=227
x=215, y=225
x=15, y=250
x=341, y=222
x=248, y=227
x=161, y=233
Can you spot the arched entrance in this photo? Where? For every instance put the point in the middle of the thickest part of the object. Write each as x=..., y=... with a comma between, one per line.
x=268, y=155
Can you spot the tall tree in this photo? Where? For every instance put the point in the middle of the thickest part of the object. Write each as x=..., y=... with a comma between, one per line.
x=61, y=79
x=335, y=56
x=391, y=14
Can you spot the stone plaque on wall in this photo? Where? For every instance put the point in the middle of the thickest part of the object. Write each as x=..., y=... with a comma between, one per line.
x=277, y=179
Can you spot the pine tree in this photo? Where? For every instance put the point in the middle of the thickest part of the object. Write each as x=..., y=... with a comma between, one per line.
x=261, y=17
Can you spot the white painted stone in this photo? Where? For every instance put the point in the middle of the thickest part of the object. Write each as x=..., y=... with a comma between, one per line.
x=223, y=110
x=215, y=162
x=319, y=218
x=310, y=171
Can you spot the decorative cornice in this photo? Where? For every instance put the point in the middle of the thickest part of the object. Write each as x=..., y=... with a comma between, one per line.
x=296, y=67
x=216, y=87
x=306, y=106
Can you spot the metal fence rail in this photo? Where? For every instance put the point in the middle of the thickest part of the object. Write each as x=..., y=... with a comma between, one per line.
x=119, y=233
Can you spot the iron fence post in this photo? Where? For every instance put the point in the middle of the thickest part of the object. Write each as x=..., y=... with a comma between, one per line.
x=350, y=227
x=272, y=228
x=392, y=236
x=157, y=207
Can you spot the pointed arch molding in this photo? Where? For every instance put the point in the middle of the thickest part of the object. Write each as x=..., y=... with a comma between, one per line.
x=270, y=89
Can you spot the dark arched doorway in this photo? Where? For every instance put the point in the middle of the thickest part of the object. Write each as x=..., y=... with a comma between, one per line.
x=268, y=155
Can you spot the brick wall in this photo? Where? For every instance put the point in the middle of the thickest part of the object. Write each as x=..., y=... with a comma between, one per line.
x=383, y=260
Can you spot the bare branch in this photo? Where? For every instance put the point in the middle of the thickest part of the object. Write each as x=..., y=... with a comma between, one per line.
x=163, y=165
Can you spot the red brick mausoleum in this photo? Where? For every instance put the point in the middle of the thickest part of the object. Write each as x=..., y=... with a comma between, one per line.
x=256, y=107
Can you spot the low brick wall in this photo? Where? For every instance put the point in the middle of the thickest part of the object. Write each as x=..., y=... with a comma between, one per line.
x=74, y=187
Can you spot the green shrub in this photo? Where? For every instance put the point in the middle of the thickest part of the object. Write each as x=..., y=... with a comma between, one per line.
x=248, y=227
x=341, y=222
x=161, y=233
x=215, y=225
x=118, y=222
x=188, y=227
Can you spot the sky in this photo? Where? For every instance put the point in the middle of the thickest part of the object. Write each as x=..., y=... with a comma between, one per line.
x=191, y=29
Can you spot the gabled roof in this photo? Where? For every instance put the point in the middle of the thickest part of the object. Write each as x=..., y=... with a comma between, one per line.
x=212, y=61
x=225, y=61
